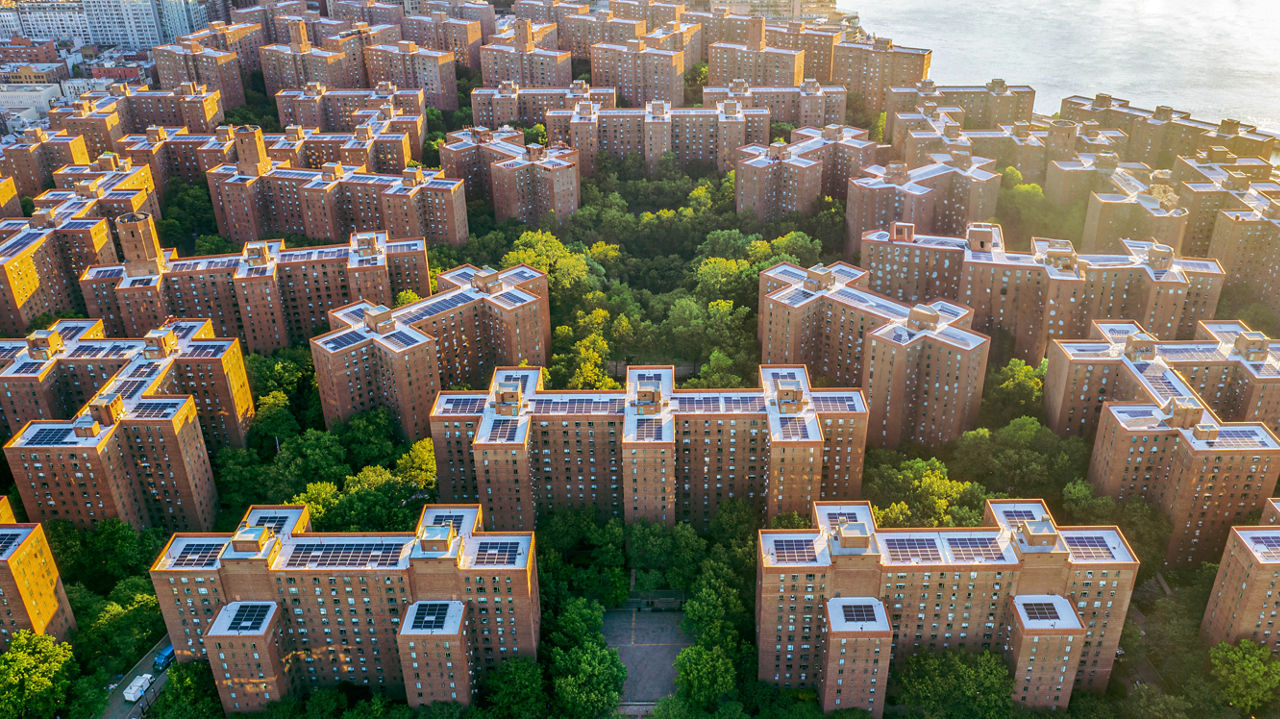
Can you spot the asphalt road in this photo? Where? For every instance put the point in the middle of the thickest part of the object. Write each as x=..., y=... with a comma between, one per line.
x=117, y=707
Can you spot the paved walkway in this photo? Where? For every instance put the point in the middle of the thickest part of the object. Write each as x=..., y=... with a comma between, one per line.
x=647, y=643
x=117, y=707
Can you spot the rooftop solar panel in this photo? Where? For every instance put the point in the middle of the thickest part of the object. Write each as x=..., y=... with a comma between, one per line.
x=401, y=339
x=429, y=616
x=504, y=430
x=249, y=617
x=463, y=405
x=794, y=428
x=153, y=410
x=276, y=522
x=968, y=549
x=1018, y=515
x=744, y=404
x=912, y=549
x=794, y=551
x=346, y=339
x=442, y=519
x=342, y=554
x=1089, y=546
x=198, y=554
x=1041, y=611
x=49, y=436
x=7, y=540
x=648, y=428
x=1266, y=546
x=835, y=519
x=491, y=553
x=859, y=613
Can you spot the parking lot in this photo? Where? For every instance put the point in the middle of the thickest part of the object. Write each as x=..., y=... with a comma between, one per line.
x=647, y=643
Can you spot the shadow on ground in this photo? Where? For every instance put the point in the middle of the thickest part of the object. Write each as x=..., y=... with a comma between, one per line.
x=647, y=642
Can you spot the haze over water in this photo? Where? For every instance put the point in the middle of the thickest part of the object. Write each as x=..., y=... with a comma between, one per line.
x=1212, y=58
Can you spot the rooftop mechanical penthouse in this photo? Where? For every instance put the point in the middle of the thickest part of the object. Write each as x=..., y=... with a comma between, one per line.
x=276, y=607
x=840, y=606
x=1183, y=424
x=399, y=359
x=649, y=451
x=120, y=427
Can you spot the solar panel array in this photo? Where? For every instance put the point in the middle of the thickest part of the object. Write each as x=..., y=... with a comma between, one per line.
x=496, y=554
x=835, y=519
x=1089, y=546
x=859, y=613
x=198, y=554
x=444, y=304
x=276, y=522
x=130, y=388
x=346, y=339
x=794, y=551
x=968, y=549
x=504, y=430
x=1041, y=611
x=578, y=405
x=249, y=617
x=648, y=428
x=1268, y=547
x=794, y=427
x=648, y=377
x=752, y=403
x=7, y=540
x=401, y=339
x=50, y=436
x=827, y=402
x=153, y=410
x=912, y=549
x=1019, y=515
x=206, y=349
x=429, y=616
x=341, y=554
x=442, y=519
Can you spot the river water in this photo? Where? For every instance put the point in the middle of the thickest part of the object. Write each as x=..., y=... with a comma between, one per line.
x=1212, y=58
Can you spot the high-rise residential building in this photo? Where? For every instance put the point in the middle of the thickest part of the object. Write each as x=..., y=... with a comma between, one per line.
x=579, y=33
x=648, y=451
x=1157, y=137
x=131, y=439
x=638, y=72
x=102, y=117
x=58, y=19
x=524, y=63
x=356, y=43
x=785, y=178
x=37, y=154
x=1051, y=292
x=681, y=37
x=438, y=31
x=754, y=61
x=405, y=64
x=265, y=13
x=985, y=106
x=1242, y=602
x=509, y=103
x=371, y=12
x=269, y=296
x=653, y=12
x=342, y=110
x=31, y=592
x=547, y=10
x=921, y=366
x=400, y=359
x=543, y=34
x=1183, y=424
x=940, y=198
x=256, y=197
x=841, y=606
x=243, y=39
x=481, y=12
x=191, y=62
x=520, y=182
x=869, y=69
x=810, y=104
x=1125, y=199
x=20, y=48
x=436, y=607
x=293, y=65
x=132, y=24
x=705, y=135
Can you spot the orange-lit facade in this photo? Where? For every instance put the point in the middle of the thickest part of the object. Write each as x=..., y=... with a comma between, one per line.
x=31, y=593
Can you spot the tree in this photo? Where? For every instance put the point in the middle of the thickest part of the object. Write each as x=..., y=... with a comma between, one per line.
x=188, y=693
x=418, y=466
x=1148, y=702
x=957, y=685
x=273, y=423
x=1246, y=673
x=374, y=500
x=703, y=675
x=320, y=497
x=213, y=245
x=35, y=674
x=918, y=493
x=514, y=690
x=1015, y=390
x=370, y=438
x=406, y=297
x=695, y=78
x=536, y=135
x=586, y=681
x=579, y=621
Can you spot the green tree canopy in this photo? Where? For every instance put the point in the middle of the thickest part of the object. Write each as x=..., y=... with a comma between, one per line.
x=704, y=675
x=957, y=685
x=35, y=673
x=1246, y=673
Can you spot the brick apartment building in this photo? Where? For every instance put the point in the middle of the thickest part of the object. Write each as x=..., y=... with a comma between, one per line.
x=921, y=366
x=356, y=43
x=102, y=117
x=578, y=34
x=524, y=63
x=1188, y=425
x=1157, y=137
x=940, y=198
x=269, y=296
x=754, y=61
x=784, y=178
x=19, y=48
x=1051, y=292
x=521, y=182
x=1243, y=602
x=509, y=103
x=405, y=64
x=277, y=608
x=985, y=106
x=481, y=12
x=342, y=110
x=638, y=72
x=648, y=451
x=256, y=197
x=189, y=61
x=243, y=39
x=707, y=135
x=547, y=10
x=840, y=607
x=37, y=154
x=293, y=65
x=809, y=105
x=681, y=37
x=400, y=359
x=122, y=427
x=544, y=35
x=1125, y=199
x=265, y=14
x=438, y=31
x=31, y=593
x=371, y=12
x=871, y=68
